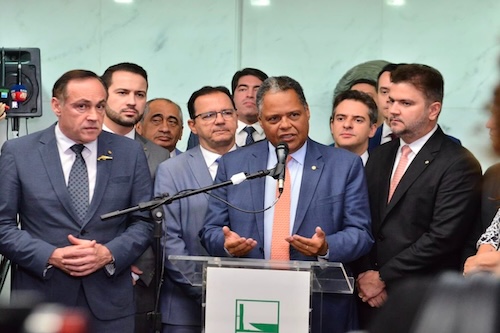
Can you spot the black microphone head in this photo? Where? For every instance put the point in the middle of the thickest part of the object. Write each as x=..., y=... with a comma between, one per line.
x=283, y=145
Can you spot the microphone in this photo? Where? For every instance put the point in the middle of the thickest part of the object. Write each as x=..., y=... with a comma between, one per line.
x=281, y=155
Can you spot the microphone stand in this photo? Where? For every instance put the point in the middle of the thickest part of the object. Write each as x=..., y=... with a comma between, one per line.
x=155, y=207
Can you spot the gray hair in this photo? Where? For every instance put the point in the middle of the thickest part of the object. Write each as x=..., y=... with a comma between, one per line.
x=147, y=109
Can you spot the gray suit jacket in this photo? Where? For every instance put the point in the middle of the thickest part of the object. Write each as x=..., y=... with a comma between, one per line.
x=33, y=186
x=183, y=220
x=154, y=154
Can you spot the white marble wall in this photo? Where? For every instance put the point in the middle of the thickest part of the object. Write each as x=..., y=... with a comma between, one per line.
x=186, y=44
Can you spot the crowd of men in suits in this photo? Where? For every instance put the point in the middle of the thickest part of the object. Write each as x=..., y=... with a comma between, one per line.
x=412, y=210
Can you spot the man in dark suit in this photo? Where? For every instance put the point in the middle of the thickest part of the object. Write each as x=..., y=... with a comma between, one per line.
x=329, y=215
x=420, y=223
x=64, y=251
x=214, y=120
x=127, y=86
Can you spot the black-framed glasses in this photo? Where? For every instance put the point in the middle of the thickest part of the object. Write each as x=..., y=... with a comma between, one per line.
x=212, y=115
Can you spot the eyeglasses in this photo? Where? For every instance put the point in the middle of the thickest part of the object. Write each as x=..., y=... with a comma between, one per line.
x=212, y=115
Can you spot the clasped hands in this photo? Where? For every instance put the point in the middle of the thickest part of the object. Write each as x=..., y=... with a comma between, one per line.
x=239, y=246
x=82, y=258
x=371, y=289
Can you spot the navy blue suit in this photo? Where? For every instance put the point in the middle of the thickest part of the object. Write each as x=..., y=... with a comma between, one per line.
x=333, y=195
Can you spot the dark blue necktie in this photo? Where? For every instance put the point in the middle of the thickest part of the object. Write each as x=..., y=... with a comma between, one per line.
x=249, y=139
x=78, y=183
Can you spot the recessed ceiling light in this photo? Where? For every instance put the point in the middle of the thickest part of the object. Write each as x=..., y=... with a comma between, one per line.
x=260, y=2
x=395, y=2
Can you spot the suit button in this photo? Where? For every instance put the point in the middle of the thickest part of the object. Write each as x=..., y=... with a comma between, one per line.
x=380, y=237
x=83, y=232
x=376, y=264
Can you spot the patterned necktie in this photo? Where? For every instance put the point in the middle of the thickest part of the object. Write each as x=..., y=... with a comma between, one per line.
x=400, y=170
x=280, y=248
x=78, y=183
x=249, y=139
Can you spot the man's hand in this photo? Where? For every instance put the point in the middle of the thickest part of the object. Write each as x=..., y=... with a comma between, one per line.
x=82, y=258
x=237, y=246
x=314, y=246
x=370, y=286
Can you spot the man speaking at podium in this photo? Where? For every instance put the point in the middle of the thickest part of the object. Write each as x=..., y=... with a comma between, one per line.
x=323, y=213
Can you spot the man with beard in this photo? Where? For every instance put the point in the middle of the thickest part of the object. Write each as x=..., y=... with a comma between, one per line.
x=424, y=191
x=127, y=85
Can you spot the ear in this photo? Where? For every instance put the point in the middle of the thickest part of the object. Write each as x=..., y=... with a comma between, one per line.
x=192, y=127
x=373, y=130
x=434, y=110
x=138, y=127
x=331, y=125
x=56, y=106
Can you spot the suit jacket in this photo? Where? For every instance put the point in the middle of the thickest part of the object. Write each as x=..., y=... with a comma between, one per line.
x=145, y=288
x=333, y=196
x=155, y=154
x=374, y=141
x=424, y=227
x=181, y=302
x=33, y=186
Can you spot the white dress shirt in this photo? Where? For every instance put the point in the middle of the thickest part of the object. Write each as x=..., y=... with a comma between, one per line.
x=68, y=157
x=241, y=135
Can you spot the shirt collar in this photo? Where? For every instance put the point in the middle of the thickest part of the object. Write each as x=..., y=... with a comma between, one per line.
x=416, y=145
x=210, y=157
x=242, y=125
x=299, y=156
x=130, y=135
x=64, y=143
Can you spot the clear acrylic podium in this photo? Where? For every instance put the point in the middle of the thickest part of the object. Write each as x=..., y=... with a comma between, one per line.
x=256, y=295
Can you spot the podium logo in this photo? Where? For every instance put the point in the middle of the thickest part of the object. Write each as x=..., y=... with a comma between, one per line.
x=257, y=316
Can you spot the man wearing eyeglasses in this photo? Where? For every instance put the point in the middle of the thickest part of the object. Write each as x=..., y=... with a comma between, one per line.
x=214, y=120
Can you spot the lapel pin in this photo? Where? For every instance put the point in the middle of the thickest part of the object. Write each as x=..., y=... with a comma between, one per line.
x=313, y=167
x=427, y=162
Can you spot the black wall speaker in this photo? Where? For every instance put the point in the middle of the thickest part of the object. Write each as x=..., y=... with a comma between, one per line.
x=25, y=61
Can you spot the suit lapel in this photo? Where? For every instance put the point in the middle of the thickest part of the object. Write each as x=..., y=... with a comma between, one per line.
x=103, y=174
x=198, y=168
x=258, y=161
x=313, y=168
x=423, y=159
x=50, y=156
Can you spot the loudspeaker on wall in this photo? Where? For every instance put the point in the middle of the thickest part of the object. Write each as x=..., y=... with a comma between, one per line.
x=20, y=67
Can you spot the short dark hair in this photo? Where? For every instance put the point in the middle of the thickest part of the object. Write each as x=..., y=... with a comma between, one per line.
x=206, y=90
x=387, y=68
x=244, y=72
x=125, y=67
x=426, y=79
x=358, y=96
x=277, y=84
x=367, y=81
x=59, y=89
